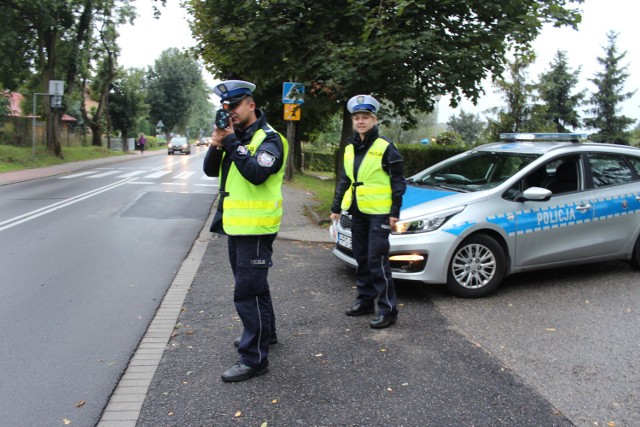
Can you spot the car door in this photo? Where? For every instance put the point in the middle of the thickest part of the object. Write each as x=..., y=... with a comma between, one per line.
x=559, y=229
x=616, y=202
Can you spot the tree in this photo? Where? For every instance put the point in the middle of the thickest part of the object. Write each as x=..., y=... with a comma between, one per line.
x=606, y=100
x=55, y=40
x=174, y=82
x=469, y=126
x=555, y=88
x=517, y=93
x=403, y=51
x=127, y=102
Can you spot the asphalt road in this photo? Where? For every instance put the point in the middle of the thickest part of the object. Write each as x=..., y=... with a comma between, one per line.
x=86, y=259
x=329, y=369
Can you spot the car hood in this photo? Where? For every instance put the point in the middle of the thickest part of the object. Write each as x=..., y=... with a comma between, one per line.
x=419, y=201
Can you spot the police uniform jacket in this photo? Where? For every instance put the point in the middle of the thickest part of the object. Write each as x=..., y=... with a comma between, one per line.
x=391, y=163
x=247, y=164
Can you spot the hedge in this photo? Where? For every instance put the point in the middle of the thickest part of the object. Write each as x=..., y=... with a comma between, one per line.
x=416, y=157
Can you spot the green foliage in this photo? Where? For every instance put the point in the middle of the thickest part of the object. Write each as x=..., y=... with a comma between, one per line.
x=418, y=157
x=610, y=126
x=174, y=83
x=403, y=51
x=469, y=126
x=127, y=101
x=320, y=161
x=450, y=138
x=555, y=90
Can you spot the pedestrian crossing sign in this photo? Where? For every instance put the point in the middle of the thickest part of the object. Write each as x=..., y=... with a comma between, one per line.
x=292, y=93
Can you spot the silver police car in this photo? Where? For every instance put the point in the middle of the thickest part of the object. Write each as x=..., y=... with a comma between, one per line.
x=530, y=202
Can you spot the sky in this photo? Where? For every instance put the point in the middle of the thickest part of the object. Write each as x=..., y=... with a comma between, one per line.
x=142, y=44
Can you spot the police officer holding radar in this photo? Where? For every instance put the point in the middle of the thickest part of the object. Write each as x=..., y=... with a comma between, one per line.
x=370, y=189
x=249, y=156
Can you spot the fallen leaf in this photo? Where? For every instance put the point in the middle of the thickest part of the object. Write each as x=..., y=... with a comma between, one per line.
x=319, y=355
x=81, y=403
x=170, y=413
x=264, y=424
x=66, y=421
x=238, y=414
x=405, y=384
x=550, y=329
x=383, y=350
x=389, y=389
x=611, y=424
x=274, y=401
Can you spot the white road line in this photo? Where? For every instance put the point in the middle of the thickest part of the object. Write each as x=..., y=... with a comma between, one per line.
x=75, y=175
x=183, y=175
x=157, y=174
x=131, y=174
x=103, y=174
x=20, y=219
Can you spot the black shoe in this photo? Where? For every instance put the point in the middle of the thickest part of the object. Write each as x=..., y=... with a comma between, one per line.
x=241, y=372
x=382, y=321
x=236, y=342
x=360, y=309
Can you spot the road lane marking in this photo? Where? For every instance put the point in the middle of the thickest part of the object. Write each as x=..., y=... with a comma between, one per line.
x=21, y=219
x=75, y=175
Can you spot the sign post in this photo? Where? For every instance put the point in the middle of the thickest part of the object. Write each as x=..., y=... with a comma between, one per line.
x=292, y=98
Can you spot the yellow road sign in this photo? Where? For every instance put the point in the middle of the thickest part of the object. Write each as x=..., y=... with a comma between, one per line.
x=292, y=111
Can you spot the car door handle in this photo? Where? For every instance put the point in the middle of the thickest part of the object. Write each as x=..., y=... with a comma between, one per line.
x=583, y=208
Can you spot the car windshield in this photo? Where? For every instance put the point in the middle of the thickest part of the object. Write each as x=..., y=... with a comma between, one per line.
x=476, y=171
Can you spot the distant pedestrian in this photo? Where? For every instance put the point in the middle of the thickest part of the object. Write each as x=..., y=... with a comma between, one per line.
x=141, y=142
x=370, y=188
x=249, y=157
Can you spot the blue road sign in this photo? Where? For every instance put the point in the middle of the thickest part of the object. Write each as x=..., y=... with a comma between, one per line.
x=292, y=93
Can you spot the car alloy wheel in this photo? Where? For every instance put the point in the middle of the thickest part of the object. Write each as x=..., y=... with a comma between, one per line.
x=477, y=267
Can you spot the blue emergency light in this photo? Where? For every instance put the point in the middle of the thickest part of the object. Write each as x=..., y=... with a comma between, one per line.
x=547, y=136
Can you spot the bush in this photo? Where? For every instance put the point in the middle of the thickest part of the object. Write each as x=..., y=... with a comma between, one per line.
x=416, y=157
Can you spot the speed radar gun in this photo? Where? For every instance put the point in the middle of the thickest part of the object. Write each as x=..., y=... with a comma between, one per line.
x=222, y=116
x=231, y=92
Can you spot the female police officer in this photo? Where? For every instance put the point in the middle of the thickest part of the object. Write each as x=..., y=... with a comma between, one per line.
x=371, y=189
x=249, y=156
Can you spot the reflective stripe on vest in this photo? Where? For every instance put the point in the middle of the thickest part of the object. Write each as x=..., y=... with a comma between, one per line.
x=251, y=209
x=372, y=186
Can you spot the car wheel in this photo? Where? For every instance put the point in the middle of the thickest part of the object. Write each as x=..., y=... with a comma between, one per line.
x=635, y=257
x=476, y=268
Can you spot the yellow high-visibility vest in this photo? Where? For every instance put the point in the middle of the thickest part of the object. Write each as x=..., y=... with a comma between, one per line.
x=250, y=209
x=372, y=186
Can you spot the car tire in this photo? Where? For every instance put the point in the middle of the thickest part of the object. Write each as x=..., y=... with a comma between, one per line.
x=477, y=267
x=635, y=256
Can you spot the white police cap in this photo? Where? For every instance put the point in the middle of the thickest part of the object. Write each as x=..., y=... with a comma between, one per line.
x=233, y=90
x=362, y=104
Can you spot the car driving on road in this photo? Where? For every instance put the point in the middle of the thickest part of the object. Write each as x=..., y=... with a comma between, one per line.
x=180, y=144
x=530, y=202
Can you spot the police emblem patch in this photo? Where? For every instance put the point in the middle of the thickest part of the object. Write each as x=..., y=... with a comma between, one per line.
x=242, y=150
x=265, y=159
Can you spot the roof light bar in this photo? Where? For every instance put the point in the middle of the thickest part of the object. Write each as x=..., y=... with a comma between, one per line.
x=549, y=136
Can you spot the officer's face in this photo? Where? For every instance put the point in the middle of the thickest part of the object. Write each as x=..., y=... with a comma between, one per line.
x=243, y=113
x=363, y=122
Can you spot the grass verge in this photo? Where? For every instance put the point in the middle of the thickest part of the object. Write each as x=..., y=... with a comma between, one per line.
x=322, y=186
x=17, y=158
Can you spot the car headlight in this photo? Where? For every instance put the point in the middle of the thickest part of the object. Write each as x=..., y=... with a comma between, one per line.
x=426, y=223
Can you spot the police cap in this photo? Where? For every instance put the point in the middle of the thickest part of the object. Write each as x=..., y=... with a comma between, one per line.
x=232, y=91
x=363, y=104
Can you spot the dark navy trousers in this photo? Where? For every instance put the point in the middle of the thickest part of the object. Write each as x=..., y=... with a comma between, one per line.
x=250, y=258
x=370, y=240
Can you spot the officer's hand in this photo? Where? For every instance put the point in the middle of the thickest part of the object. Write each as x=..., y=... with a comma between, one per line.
x=392, y=222
x=334, y=217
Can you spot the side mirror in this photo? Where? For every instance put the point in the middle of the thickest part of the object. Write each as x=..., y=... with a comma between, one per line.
x=535, y=194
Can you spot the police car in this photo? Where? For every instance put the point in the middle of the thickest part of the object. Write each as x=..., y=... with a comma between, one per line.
x=532, y=201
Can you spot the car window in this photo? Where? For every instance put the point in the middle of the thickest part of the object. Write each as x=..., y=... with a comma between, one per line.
x=635, y=164
x=608, y=169
x=477, y=171
x=559, y=175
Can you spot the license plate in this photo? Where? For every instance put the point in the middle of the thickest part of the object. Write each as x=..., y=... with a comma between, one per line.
x=344, y=241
